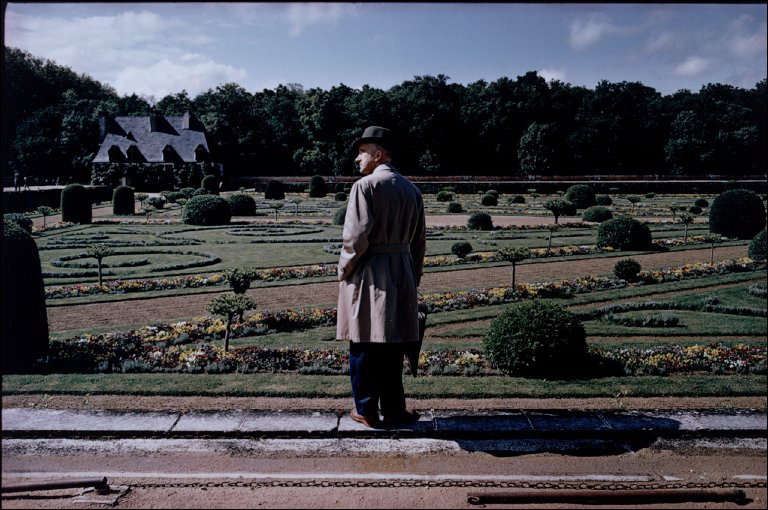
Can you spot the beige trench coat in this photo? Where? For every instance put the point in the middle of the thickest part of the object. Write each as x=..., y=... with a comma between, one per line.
x=381, y=260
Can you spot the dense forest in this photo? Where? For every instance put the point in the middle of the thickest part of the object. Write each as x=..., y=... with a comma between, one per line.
x=521, y=126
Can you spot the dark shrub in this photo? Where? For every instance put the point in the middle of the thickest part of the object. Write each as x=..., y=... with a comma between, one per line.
x=517, y=199
x=737, y=213
x=489, y=200
x=206, y=210
x=443, y=196
x=701, y=202
x=339, y=216
x=650, y=195
x=493, y=192
x=210, y=183
x=627, y=269
x=340, y=196
x=188, y=192
x=536, y=339
x=603, y=200
x=274, y=190
x=123, y=201
x=757, y=247
x=25, y=322
x=75, y=204
x=174, y=196
x=694, y=209
x=317, y=188
x=624, y=233
x=597, y=214
x=479, y=221
x=454, y=207
x=461, y=249
x=242, y=205
x=200, y=191
x=581, y=196
x=156, y=202
x=22, y=220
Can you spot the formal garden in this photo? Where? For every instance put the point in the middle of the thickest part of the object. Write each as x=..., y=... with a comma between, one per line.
x=593, y=321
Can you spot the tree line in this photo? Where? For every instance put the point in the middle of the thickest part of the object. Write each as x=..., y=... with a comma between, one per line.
x=508, y=127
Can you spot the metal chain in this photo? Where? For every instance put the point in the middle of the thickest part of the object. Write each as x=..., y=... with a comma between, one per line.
x=458, y=483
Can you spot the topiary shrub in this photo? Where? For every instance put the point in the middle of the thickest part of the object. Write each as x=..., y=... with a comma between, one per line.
x=627, y=269
x=597, y=214
x=210, y=183
x=242, y=205
x=340, y=196
x=489, y=200
x=480, y=221
x=701, y=202
x=188, y=192
x=757, y=247
x=174, y=196
x=536, y=339
x=581, y=196
x=694, y=209
x=517, y=199
x=123, y=201
x=454, y=207
x=624, y=233
x=339, y=216
x=461, y=249
x=492, y=192
x=25, y=321
x=274, y=190
x=603, y=200
x=206, y=210
x=157, y=202
x=443, y=196
x=75, y=204
x=737, y=213
x=317, y=187
x=199, y=191
x=23, y=221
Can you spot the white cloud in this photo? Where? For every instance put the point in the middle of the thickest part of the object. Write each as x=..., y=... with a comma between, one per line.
x=585, y=32
x=750, y=45
x=301, y=16
x=193, y=73
x=693, y=66
x=553, y=74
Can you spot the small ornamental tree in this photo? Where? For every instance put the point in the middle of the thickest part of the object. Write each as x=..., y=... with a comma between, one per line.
x=559, y=208
x=296, y=202
x=230, y=306
x=45, y=211
x=480, y=221
x=581, y=196
x=701, y=202
x=686, y=219
x=99, y=252
x=627, y=269
x=141, y=197
x=757, y=247
x=276, y=206
x=514, y=255
x=634, y=199
x=536, y=339
x=624, y=233
x=712, y=239
x=737, y=213
x=551, y=229
x=461, y=249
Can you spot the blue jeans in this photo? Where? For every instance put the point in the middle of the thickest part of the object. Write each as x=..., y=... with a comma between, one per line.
x=376, y=372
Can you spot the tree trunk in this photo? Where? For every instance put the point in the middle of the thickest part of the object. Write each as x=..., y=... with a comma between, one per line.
x=226, y=333
x=98, y=263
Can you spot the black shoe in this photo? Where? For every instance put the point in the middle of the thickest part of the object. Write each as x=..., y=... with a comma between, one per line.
x=404, y=417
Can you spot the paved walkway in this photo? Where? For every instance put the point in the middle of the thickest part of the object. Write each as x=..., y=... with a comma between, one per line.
x=507, y=424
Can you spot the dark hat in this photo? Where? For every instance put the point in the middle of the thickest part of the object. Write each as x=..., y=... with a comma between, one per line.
x=378, y=135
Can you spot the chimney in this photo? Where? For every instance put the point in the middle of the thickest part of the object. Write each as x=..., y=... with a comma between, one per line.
x=102, y=126
x=153, y=123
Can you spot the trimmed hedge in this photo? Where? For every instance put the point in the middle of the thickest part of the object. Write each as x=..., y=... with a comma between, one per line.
x=317, y=187
x=624, y=233
x=25, y=321
x=537, y=339
x=123, y=201
x=75, y=204
x=737, y=213
x=206, y=210
x=274, y=190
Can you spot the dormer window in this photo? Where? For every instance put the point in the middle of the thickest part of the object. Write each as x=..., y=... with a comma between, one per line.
x=135, y=155
x=201, y=153
x=115, y=154
x=169, y=154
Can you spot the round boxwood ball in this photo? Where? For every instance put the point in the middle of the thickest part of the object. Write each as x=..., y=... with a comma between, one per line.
x=536, y=339
x=75, y=204
x=603, y=200
x=454, y=207
x=274, y=190
x=624, y=233
x=489, y=199
x=737, y=213
x=597, y=214
x=627, y=269
x=757, y=247
x=206, y=210
x=480, y=221
x=242, y=204
x=581, y=195
x=211, y=184
x=339, y=216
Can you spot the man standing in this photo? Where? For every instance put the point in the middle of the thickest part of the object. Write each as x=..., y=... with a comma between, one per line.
x=380, y=267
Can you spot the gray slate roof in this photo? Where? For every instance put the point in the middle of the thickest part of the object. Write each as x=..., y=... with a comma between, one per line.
x=126, y=131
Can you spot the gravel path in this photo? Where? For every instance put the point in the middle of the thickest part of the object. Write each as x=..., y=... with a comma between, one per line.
x=164, y=309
